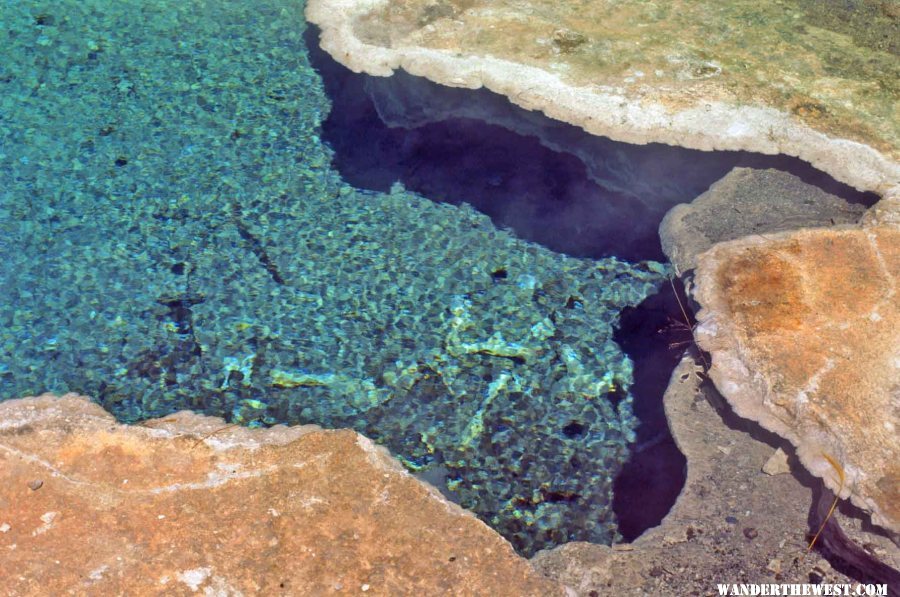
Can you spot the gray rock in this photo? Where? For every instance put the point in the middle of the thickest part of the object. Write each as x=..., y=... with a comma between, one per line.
x=697, y=541
x=748, y=201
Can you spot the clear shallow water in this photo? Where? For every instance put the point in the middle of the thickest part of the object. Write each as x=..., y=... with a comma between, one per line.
x=172, y=236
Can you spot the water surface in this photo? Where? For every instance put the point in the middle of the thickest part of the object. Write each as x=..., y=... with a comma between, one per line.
x=172, y=235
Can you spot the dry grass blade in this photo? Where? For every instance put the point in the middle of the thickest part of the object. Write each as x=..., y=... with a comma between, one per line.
x=687, y=323
x=152, y=423
x=840, y=471
x=212, y=433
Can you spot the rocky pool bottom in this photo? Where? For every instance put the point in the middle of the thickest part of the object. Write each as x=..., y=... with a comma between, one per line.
x=173, y=236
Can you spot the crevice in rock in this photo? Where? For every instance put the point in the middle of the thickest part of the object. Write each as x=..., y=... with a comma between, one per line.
x=841, y=552
x=556, y=185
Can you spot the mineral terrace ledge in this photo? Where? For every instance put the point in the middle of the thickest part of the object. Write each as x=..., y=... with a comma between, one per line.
x=804, y=332
x=693, y=114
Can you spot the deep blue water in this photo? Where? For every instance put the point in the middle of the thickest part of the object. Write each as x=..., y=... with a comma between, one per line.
x=548, y=181
x=556, y=185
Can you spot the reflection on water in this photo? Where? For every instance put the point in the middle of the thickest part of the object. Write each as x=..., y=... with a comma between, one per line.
x=556, y=185
x=550, y=182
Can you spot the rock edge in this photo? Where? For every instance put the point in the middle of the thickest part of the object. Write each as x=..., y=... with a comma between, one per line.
x=605, y=111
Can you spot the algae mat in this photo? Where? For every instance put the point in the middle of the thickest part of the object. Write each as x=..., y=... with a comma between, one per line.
x=831, y=64
x=172, y=236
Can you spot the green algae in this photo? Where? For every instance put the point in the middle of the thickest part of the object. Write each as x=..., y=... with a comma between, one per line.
x=873, y=24
x=838, y=57
x=172, y=236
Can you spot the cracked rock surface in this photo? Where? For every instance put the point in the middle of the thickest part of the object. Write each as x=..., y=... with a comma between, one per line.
x=804, y=332
x=186, y=504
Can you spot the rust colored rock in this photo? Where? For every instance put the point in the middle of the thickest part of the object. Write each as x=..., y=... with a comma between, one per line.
x=804, y=333
x=176, y=507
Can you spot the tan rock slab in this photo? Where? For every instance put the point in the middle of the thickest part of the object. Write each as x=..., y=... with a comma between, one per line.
x=777, y=464
x=176, y=507
x=749, y=201
x=804, y=332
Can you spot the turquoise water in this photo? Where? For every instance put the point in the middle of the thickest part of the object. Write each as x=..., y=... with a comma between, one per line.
x=172, y=235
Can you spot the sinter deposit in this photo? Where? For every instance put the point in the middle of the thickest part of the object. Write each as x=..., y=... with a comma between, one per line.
x=804, y=332
x=770, y=77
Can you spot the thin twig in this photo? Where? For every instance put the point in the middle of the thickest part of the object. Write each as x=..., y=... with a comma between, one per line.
x=687, y=322
x=840, y=472
x=212, y=433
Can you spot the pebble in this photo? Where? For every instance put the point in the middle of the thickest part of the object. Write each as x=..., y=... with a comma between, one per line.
x=777, y=464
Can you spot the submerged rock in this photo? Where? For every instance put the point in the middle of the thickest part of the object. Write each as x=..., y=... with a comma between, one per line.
x=227, y=269
x=745, y=202
x=182, y=504
x=804, y=332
